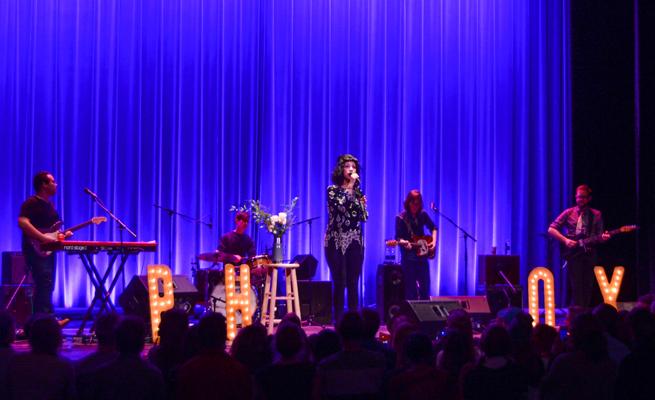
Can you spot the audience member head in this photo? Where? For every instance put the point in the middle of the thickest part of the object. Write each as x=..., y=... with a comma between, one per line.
x=608, y=317
x=574, y=312
x=291, y=317
x=324, y=344
x=173, y=327
x=507, y=315
x=520, y=329
x=587, y=337
x=192, y=342
x=351, y=327
x=544, y=338
x=251, y=346
x=642, y=324
x=371, y=320
x=393, y=314
x=418, y=349
x=459, y=320
x=7, y=329
x=130, y=335
x=212, y=331
x=400, y=334
x=45, y=335
x=646, y=301
x=457, y=351
x=496, y=341
x=290, y=340
x=105, y=328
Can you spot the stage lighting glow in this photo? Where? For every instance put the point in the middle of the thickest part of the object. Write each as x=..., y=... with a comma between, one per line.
x=609, y=290
x=240, y=300
x=157, y=273
x=545, y=275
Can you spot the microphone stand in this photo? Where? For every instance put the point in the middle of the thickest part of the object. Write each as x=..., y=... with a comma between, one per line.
x=121, y=227
x=466, y=237
x=120, y=223
x=307, y=221
x=189, y=218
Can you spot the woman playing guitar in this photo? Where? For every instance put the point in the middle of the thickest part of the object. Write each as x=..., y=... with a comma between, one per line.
x=411, y=224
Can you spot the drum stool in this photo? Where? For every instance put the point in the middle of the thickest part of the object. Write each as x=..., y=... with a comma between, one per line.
x=271, y=296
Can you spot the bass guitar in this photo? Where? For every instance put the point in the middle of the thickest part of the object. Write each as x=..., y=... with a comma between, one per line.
x=420, y=245
x=55, y=230
x=586, y=243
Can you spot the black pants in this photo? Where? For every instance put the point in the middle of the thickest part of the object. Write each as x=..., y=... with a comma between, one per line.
x=416, y=275
x=43, y=275
x=346, y=270
x=580, y=271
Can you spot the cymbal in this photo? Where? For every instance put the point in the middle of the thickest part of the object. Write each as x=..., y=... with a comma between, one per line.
x=213, y=256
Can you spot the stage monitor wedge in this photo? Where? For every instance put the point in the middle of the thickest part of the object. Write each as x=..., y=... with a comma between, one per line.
x=429, y=315
x=134, y=299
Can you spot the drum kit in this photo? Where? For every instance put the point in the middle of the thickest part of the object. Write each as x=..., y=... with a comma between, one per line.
x=211, y=282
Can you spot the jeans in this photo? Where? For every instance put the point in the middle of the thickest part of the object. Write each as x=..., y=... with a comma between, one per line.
x=346, y=270
x=43, y=275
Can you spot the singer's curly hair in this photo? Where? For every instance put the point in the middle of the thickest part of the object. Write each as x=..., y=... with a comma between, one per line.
x=337, y=174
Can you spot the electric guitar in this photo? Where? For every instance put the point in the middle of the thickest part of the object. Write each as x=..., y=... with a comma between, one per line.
x=585, y=244
x=420, y=245
x=55, y=230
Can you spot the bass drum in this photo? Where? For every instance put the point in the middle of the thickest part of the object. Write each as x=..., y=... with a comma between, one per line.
x=217, y=302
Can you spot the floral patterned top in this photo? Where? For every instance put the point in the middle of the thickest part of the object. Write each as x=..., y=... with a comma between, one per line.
x=346, y=212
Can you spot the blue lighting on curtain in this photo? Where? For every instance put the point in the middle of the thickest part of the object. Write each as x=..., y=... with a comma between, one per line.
x=200, y=105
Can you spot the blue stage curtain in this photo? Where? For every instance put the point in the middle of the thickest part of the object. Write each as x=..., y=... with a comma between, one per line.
x=200, y=105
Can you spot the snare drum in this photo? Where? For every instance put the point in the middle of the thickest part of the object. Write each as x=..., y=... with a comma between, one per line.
x=257, y=268
x=217, y=301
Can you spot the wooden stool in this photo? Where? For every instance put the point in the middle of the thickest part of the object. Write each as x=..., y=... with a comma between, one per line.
x=270, y=293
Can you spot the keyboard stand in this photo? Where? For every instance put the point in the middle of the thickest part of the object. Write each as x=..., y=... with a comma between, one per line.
x=102, y=293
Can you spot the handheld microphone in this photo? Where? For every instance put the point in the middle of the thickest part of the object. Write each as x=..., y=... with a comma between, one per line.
x=354, y=175
x=90, y=193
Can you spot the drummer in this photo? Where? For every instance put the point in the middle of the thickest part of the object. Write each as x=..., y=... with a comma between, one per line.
x=236, y=247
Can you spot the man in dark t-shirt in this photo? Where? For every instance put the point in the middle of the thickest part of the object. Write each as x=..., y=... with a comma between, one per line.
x=236, y=247
x=38, y=215
x=409, y=224
x=580, y=230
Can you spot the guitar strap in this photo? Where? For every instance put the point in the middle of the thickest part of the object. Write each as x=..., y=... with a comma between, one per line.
x=409, y=226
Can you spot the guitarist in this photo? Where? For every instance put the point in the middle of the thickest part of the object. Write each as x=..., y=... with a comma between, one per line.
x=37, y=214
x=411, y=222
x=571, y=228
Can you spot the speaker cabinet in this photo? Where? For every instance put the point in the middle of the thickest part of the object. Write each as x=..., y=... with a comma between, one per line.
x=134, y=299
x=492, y=268
x=14, y=268
x=308, y=264
x=21, y=307
x=476, y=306
x=429, y=315
x=316, y=301
x=503, y=296
x=390, y=289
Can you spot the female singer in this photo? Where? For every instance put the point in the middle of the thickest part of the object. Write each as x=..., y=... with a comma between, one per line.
x=344, y=245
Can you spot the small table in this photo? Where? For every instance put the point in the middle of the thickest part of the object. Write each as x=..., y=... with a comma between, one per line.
x=271, y=295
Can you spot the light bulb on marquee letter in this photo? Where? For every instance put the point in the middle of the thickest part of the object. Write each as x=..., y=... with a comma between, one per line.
x=610, y=291
x=159, y=303
x=536, y=275
x=237, y=301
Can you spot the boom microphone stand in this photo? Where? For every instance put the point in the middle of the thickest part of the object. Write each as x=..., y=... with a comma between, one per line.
x=307, y=221
x=171, y=213
x=466, y=237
